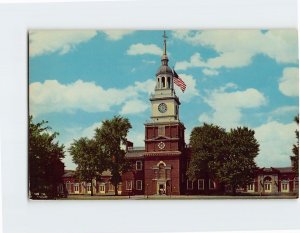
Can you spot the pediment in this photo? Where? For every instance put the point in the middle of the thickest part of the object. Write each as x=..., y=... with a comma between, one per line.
x=161, y=138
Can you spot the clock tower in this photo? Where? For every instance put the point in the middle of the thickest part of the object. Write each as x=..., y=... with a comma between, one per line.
x=164, y=102
x=164, y=136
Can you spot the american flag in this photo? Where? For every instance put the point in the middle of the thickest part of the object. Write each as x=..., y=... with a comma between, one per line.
x=178, y=81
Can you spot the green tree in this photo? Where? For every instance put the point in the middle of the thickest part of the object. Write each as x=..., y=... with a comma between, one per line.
x=207, y=143
x=237, y=166
x=45, y=154
x=111, y=135
x=295, y=157
x=227, y=157
x=89, y=158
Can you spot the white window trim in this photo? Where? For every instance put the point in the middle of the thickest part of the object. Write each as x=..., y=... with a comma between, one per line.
x=287, y=187
x=136, y=165
x=89, y=187
x=187, y=185
x=268, y=184
x=101, y=185
x=127, y=186
x=202, y=188
x=250, y=187
x=76, y=185
x=211, y=181
x=136, y=184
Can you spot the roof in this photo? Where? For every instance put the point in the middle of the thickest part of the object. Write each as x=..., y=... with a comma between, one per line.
x=284, y=169
x=135, y=153
x=277, y=169
x=164, y=69
x=69, y=173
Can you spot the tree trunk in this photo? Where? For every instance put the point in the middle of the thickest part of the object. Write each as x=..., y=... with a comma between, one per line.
x=116, y=189
x=92, y=193
x=206, y=184
x=233, y=190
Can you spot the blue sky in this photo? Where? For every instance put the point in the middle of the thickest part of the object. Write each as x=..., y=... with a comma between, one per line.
x=233, y=77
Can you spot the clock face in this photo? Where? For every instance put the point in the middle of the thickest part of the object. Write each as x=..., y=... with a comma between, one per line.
x=162, y=107
x=161, y=145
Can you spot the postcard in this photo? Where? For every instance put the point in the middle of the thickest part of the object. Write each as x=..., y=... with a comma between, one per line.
x=163, y=114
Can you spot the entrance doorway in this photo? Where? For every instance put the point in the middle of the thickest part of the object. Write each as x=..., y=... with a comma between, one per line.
x=161, y=188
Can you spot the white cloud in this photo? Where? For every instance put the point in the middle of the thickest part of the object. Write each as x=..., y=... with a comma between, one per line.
x=133, y=107
x=61, y=41
x=137, y=136
x=90, y=131
x=190, y=90
x=285, y=109
x=148, y=61
x=117, y=34
x=52, y=96
x=210, y=72
x=227, y=106
x=140, y=49
x=195, y=61
x=289, y=82
x=276, y=141
x=148, y=86
x=236, y=48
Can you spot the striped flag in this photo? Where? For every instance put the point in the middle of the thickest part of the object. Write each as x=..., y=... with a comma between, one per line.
x=178, y=81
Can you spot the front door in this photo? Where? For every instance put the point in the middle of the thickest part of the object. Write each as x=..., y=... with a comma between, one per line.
x=161, y=187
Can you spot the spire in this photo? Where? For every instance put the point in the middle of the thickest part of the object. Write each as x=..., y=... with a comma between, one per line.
x=164, y=58
x=164, y=68
x=165, y=43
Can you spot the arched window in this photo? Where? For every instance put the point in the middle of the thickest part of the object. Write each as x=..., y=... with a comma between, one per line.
x=161, y=171
x=163, y=82
x=158, y=83
x=268, y=184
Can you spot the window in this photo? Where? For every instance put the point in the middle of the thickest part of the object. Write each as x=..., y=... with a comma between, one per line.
x=139, y=165
x=68, y=186
x=212, y=184
x=189, y=184
x=111, y=187
x=60, y=188
x=101, y=188
x=285, y=186
x=120, y=186
x=128, y=185
x=296, y=184
x=161, y=130
x=76, y=187
x=267, y=186
x=139, y=185
x=250, y=187
x=161, y=171
x=201, y=184
x=89, y=187
x=163, y=82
